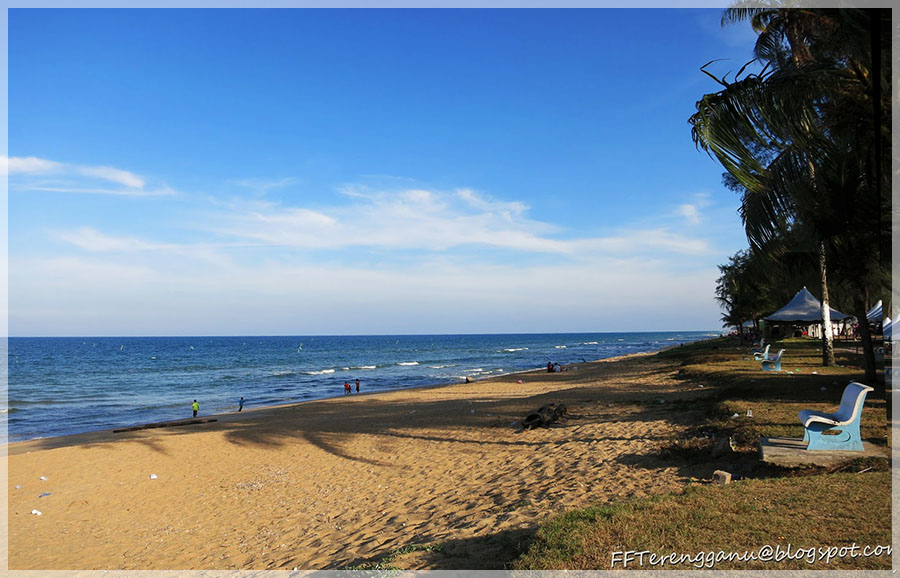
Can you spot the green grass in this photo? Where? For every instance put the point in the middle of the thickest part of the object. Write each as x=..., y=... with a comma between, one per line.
x=737, y=384
x=384, y=562
x=813, y=511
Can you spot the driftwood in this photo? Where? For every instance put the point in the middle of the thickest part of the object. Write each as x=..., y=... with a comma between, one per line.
x=544, y=416
x=164, y=424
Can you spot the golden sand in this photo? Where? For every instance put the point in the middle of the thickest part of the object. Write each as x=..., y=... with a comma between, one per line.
x=339, y=482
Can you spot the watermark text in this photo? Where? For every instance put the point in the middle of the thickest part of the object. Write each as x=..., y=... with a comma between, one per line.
x=767, y=553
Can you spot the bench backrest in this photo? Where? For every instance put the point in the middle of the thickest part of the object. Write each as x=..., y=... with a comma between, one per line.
x=765, y=352
x=777, y=355
x=851, y=402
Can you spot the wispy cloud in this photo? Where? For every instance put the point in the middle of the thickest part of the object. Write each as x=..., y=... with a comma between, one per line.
x=92, y=240
x=425, y=268
x=29, y=165
x=31, y=174
x=114, y=175
x=690, y=213
x=158, y=296
x=426, y=220
x=263, y=186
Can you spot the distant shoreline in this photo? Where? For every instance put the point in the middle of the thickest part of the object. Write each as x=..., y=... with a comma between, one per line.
x=221, y=399
x=94, y=436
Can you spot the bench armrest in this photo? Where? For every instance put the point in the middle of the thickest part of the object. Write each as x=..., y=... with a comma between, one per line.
x=808, y=416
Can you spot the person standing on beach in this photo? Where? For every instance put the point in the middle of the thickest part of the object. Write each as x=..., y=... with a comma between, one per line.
x=241, y=404
x=195, y=407
x=357, y=386
x=346, y=388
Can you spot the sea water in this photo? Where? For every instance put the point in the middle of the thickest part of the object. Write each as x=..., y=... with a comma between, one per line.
x=60, y=386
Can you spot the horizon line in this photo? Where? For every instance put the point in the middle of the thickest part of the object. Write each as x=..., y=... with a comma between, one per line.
x=159, y=336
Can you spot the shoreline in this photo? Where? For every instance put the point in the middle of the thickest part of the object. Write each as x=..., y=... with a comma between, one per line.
x=92, y=435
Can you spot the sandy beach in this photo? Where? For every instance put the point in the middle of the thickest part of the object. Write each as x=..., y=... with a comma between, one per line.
x=344, y=481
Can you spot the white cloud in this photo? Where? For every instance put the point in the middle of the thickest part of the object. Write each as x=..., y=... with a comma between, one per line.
x=435, y=271
x=92, y=240
x=78, y=179
x=114, y=175
x=424, y=220
x=507, y=209
x=162, y=296
x=691, y=213
x=161, y=192
x=263, y=186
x=29, y=165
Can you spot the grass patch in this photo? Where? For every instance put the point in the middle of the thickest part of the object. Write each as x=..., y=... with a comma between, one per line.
x=814, y=511
x=806, y=508
x=384, y=562
x=774, y=398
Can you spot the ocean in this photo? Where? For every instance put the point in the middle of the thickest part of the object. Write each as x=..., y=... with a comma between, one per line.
x=66, y=385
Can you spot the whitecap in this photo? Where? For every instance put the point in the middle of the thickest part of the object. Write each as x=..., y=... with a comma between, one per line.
x=322, y=372
x=559, y=347
x=408, y=363
x=591, y=343
x=513, y=349
x=366, y=367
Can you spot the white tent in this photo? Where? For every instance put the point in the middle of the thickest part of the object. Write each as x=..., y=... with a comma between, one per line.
x=887, y=329
x=804, y=308
x=874, y=314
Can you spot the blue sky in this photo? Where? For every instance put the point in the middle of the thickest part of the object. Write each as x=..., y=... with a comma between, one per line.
x=200, y=172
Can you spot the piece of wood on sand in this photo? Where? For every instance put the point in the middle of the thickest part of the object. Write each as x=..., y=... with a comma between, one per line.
x=544, y=416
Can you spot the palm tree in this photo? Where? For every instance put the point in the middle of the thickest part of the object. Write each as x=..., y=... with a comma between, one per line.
x=777, y=130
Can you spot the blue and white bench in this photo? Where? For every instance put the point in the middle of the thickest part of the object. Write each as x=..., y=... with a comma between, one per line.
x=757, y=346
x=773, y=363
x=762, y=355
x=845, y=421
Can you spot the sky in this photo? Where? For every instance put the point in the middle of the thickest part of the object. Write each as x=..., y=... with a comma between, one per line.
x=323, y=172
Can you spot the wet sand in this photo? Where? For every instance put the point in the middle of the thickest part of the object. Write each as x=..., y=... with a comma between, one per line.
x=343, y=481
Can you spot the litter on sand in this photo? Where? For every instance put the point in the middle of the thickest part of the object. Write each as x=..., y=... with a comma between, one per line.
x=36, y=512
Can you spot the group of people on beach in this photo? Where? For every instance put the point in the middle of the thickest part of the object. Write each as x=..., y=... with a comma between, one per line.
x=195, y=407
x=347, y=388
x=554, y=367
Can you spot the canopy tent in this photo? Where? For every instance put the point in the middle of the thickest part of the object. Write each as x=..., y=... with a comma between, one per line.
x=804, y=308
x=874, y=314
x=887, y=329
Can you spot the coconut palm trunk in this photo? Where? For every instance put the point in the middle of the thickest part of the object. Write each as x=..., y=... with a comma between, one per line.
x=827, y=341
x=859, y=310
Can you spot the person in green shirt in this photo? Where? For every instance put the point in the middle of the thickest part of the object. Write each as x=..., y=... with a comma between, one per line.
x=195, y=407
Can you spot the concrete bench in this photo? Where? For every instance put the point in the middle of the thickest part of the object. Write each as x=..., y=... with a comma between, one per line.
x=845, y=421
x=762, y=355
x=757, y=346
x=773, y=363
